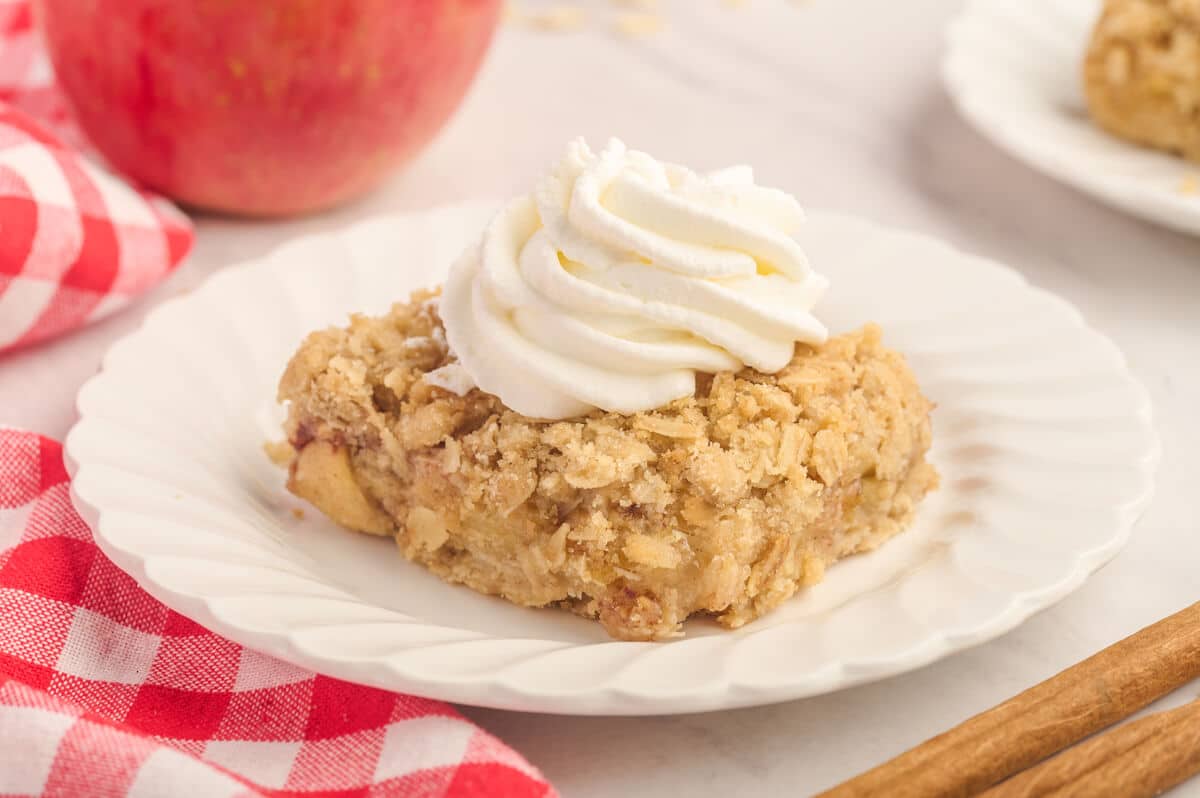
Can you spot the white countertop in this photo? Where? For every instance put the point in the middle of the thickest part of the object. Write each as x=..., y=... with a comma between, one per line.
x=839, y=101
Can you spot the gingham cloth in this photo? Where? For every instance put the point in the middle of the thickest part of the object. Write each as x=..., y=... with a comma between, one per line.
x=26, y=78
x=76, y=242
x=106, y=692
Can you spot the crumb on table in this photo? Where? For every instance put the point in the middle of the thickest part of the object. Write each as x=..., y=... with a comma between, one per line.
x=559, y=18
x=638, y=23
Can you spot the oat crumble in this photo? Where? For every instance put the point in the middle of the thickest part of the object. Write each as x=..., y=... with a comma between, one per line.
x=1141, y=74
x=724, y=503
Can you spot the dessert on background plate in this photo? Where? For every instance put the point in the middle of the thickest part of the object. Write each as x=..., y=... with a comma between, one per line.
x=620, y=404
x=1141, y=74
x=1073, y=87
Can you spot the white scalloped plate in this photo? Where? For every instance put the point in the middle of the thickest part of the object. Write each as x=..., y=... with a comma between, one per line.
x=1043, y=439
x=1014, y=68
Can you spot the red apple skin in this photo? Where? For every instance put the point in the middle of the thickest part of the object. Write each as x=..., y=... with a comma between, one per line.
x=264, y=107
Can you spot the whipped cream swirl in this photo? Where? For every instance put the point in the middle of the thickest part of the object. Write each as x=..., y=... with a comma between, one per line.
x=620, y=277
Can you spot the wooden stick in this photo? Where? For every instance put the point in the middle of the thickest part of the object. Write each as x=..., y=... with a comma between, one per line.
x=1044, y=719
x=1138, y=760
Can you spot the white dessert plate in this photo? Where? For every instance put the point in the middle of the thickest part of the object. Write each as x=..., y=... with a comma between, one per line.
x=1043, y=439
x=1014, y=67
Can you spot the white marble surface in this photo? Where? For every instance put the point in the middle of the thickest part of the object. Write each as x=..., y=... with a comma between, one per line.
x=839, y=101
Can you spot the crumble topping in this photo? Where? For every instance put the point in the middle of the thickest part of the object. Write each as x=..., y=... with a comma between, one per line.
x=1142, y=73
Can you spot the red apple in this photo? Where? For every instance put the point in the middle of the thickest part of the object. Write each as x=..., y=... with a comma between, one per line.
x=264, y=106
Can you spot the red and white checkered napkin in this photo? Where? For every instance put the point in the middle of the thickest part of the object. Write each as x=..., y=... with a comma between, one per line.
x=76, y=242
x=26, y=77
x=106, y=692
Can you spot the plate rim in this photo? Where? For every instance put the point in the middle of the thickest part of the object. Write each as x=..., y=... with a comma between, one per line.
x=610, y=698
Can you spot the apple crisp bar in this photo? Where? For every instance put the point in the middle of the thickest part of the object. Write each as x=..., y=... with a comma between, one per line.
x=1142, y=73
x=723, y=503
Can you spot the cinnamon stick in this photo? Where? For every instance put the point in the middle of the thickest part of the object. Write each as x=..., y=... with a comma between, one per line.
x=1138, y=760
x=1044, y=719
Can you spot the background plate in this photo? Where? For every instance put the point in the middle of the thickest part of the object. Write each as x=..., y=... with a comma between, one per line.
x=1014, y=67
x=1043, y=439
